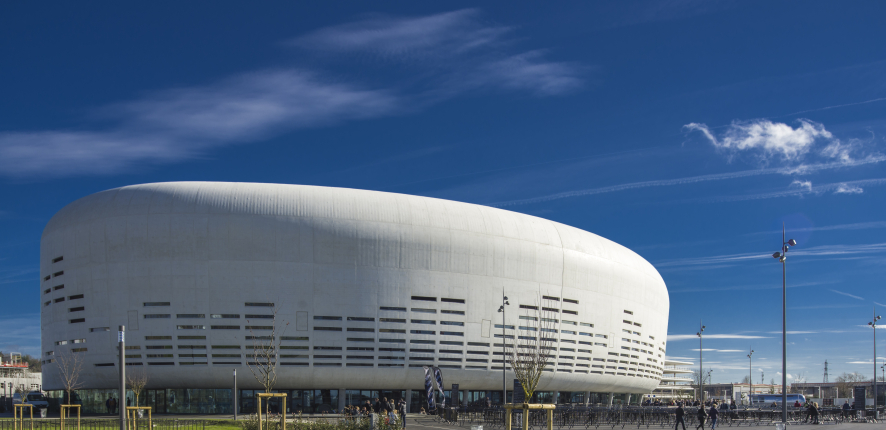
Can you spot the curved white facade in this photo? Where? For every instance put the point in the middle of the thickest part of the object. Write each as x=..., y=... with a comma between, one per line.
x=208, y=249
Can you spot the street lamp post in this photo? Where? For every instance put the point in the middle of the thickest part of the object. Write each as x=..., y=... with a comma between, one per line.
x=750, y=376
x=782, y=256
x=873, y=325
x=504, y=339
x=700, y=364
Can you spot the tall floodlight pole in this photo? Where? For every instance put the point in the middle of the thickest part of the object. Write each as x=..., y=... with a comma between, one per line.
x=750, y=376
x=121, y=404
x=873, y=325
x=700, y=364
x=782, y=256
x=504, y=352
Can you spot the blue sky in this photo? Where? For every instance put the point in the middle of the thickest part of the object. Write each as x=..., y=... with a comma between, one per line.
x=688, y=131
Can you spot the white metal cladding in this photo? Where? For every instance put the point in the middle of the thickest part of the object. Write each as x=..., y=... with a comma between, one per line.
x=208, y=248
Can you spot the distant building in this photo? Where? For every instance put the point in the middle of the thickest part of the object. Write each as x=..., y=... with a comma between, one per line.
x=15, y=376
x=675, y=382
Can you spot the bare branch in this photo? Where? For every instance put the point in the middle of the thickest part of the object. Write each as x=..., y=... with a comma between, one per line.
x=266, y=352
x=137, y=380
x=69, y=365
x=531, y=351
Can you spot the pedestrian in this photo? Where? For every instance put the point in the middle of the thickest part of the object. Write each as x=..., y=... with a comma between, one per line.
x=385, y=407
x=108, y=405
x=714, y=413
x=401, y=409
x=701, y=415
x=815, y=413
x=846, y=409
x=377, y=406
x=679, y=421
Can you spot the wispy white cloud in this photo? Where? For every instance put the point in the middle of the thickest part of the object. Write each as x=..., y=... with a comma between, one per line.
x=852, y=226
x=799, y=189
x=796, y=170
x=837, y=106
x=675, y=337
x=719, y=350
x=817, y=251
x=458, y=53
x=847, y=294
x=766, y=139
x=21, y=333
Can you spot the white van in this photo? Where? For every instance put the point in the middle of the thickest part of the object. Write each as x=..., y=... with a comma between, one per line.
x=35, y=398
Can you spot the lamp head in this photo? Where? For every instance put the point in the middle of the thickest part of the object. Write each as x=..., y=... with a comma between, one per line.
x=501, y=308
x=507, y=302
x=878, y=317
x=870, y=323
x=702, y=328
x=792, y=242
x=776, y=255
x=505, y=298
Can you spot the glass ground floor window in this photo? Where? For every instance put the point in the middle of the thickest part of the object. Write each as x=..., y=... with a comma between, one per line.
x=304, y=401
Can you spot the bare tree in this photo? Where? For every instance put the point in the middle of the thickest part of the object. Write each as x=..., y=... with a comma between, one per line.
x=530, y=352
x=266, y=350
x=846, y=382
x=69, y=365
x=746, y=379
x=702, y=378
x=137, y=380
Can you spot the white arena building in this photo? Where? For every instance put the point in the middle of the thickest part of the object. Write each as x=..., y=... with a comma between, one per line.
x=373, y=286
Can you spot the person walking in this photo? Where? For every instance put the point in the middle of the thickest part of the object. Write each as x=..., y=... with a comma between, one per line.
x=679, y=421
x=700, y=415
x=846, y=409
x=714, y=414
x=814, y=413
x=108, y=405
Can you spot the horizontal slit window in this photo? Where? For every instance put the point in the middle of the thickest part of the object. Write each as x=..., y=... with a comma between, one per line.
x=423, y=310
x=158, y=337
x=361, y=339
x=432, y=322
x=190, y=327
x=192, y=337
x=452, y=300
x=224, y=327
x=452, y=342
x=149, y=316
x=550, y=309
x=60, y=299
x=326, y=318
x=75, y=297
x=551, y=298
x=424, y=298
x=390, y=308
x=452, y=333
x=446, y=311
x=529, y=307
x=366, y=319
x=158, y=347
x=226, y=316
x=574, y=302
x=565, y=311
x=155, y=304
x=104, y=364
x=190, y=315
x=327, y=328
x=369, y=330
x=458, y=323
x=57, y=259
x=225, y=346
x=422, y=332
x=59, y=273
x=391, y=330
x=77, y=309
x=392, y=320
x=257, y=304
x=99, y=329
x=58, y=287
x=47, y=291
x=299, y=338
x=259, y=327
x=259, y=337
x=392, y=340
x=361, y=348
x=77, y=320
